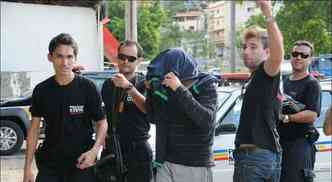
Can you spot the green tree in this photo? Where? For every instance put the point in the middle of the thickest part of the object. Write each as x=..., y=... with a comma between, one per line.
x=116, y=13
x=256, y=20
x=303, y=20
x=306, y=20
x=150, y=17
x=171, y=36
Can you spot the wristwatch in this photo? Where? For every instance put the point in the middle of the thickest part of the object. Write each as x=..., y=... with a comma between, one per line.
x=286, y=119
x=130, y=86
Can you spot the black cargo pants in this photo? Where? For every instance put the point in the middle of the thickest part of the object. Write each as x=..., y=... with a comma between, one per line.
x=60, y=170
x=73, y=175
x=298, y=161
x=138, y=160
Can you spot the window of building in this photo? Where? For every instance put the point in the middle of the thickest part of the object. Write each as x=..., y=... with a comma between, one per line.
x=191, y=18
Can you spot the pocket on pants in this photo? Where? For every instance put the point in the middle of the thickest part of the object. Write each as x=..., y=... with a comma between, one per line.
x=246, y=172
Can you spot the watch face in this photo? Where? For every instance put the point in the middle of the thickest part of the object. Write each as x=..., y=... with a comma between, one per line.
x=286, y=120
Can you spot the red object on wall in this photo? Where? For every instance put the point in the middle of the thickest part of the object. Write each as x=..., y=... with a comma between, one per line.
x=110, y=42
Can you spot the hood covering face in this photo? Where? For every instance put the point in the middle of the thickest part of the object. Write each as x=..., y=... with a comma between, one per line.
x=174, y=60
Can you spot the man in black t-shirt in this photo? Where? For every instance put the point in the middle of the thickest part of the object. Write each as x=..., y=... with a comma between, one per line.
x=132, y=127
x=257, y=150
x=296, y=140
x=68, y=104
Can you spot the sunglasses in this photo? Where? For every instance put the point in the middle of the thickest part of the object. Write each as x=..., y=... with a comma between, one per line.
x=303, y=55
x=124, y=57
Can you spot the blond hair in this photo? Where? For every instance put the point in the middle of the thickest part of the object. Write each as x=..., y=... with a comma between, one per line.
x=258, y=33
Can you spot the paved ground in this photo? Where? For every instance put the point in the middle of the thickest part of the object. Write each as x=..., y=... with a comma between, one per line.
x=12, y=169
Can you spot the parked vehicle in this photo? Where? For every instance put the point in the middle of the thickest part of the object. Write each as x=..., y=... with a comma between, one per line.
x=15, y=119
x=322, y=66
x=228, y=115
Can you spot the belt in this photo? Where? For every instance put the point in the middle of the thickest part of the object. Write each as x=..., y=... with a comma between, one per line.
x=247, y=148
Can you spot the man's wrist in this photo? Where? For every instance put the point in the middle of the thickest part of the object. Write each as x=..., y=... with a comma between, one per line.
x=95, y=150
x=286, y=119
x=27, y=166
x=130, y=86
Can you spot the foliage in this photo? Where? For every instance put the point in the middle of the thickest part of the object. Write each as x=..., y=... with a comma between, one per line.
x=150, y=17
x=256, y=20
x=303, y=20
x=306, y=20
x=116, y=13
x=171, y=36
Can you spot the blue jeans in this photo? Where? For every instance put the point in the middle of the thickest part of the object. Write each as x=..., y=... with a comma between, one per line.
x=256, y=165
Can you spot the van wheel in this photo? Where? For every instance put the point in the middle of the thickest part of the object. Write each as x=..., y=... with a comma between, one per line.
x=11, y=137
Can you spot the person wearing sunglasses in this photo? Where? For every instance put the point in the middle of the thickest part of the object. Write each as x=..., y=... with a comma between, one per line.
x=133, y=126
x=295, y=137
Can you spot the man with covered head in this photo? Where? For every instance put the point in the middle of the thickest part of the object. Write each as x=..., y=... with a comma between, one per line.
x=182, y=103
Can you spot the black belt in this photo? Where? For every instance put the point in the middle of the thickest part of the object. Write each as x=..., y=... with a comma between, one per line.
x=248, y=149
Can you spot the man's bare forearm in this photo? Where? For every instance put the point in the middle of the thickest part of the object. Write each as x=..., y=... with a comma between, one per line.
x=328, y=122
x=32, y=140
x=305, y=116
x=275, y=44
x=101, y=131
x=138, y=99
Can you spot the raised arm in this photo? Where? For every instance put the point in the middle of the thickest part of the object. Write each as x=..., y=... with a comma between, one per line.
x=275, y=40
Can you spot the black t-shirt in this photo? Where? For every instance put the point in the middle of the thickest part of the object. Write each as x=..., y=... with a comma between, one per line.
x=260, y=112
x=306, y=91
x=133, y=124
x=68, y=112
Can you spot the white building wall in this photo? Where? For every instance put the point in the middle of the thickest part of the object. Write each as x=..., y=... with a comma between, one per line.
x=26, y=30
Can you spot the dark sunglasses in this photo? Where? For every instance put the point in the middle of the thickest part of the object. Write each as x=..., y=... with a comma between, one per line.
x=303, y=56
x=124, y=57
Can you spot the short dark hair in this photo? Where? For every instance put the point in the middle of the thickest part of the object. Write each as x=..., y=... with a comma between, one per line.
x=258, y=33
x=305, y=43
x=130, y=43
x=63, y=39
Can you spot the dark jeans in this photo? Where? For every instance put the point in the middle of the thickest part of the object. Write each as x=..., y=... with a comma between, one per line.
x=138, y=159
x=54, y=168
x=256, y=165
x=71, y=175
x=298, y=161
